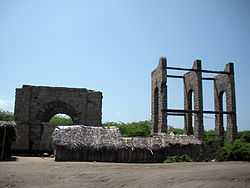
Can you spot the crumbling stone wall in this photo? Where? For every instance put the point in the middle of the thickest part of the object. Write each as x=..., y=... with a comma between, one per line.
x=159, y=97
x=35, y=105
x=193, y=91
x=225, y=84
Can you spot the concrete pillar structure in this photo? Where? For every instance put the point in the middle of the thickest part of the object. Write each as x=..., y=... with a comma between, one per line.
x=159, y=97
x=193, y=91
x=225, y=84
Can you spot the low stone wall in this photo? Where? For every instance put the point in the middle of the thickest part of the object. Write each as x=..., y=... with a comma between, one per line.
x=82, y=143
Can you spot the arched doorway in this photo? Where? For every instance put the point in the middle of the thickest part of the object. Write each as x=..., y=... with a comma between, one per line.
x=35, y=105
x=190, y=116
x=156, y=110
x=50, y=115
x=57, y=107
x=222, y=118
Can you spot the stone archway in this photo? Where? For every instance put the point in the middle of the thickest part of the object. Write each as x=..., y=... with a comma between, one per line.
x=41, y=130
x=35, y=105
x=56, y=107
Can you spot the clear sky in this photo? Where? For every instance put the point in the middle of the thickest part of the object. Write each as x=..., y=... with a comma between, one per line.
x=112, y=46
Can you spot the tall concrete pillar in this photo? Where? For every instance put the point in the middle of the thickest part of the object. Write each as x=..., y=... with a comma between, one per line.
x=193, y=93
x=225, y=84
x=159, y=97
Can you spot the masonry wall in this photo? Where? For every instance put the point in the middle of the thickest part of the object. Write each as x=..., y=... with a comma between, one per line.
x=35, y=105
x=225, y=85
x=193, y=93
x=159, y=97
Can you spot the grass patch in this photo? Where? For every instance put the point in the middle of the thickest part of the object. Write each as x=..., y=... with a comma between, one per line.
x=177, y=158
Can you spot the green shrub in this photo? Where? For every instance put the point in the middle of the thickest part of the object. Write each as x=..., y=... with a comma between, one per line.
x=177, y=158
x=61, y=120
x=176, y=131
x=6, y=116
x=244, y=136
x=209, y=135
x=212, y=140
x=212, y=146
x=237, y=151
x=140, y=128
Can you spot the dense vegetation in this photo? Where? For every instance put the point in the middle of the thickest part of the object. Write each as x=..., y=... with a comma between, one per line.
x=222, y=150
x=214, y=147
x=176, y=131
x=140, y=128
x=6, y=116
x=239, y=150
x=61, y=120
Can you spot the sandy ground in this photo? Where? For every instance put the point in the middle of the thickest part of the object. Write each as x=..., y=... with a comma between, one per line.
x=29, y=172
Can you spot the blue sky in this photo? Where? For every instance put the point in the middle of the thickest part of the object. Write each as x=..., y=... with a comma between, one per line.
x=112, y=46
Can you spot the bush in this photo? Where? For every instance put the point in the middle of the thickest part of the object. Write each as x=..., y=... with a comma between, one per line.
x=209, y=135
x=177, y=158
x=176, y=131
x=141, y=128
x=211, y=145
x=6, y=116
x=237, y=151
x=61, y=120
x=210, y=139
x=244, y=136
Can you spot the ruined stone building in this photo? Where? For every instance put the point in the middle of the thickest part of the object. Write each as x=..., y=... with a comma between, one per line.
x=224, y=83
x=35, y=105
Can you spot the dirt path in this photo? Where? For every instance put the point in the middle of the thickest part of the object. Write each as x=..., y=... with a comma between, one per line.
x=29, y=172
